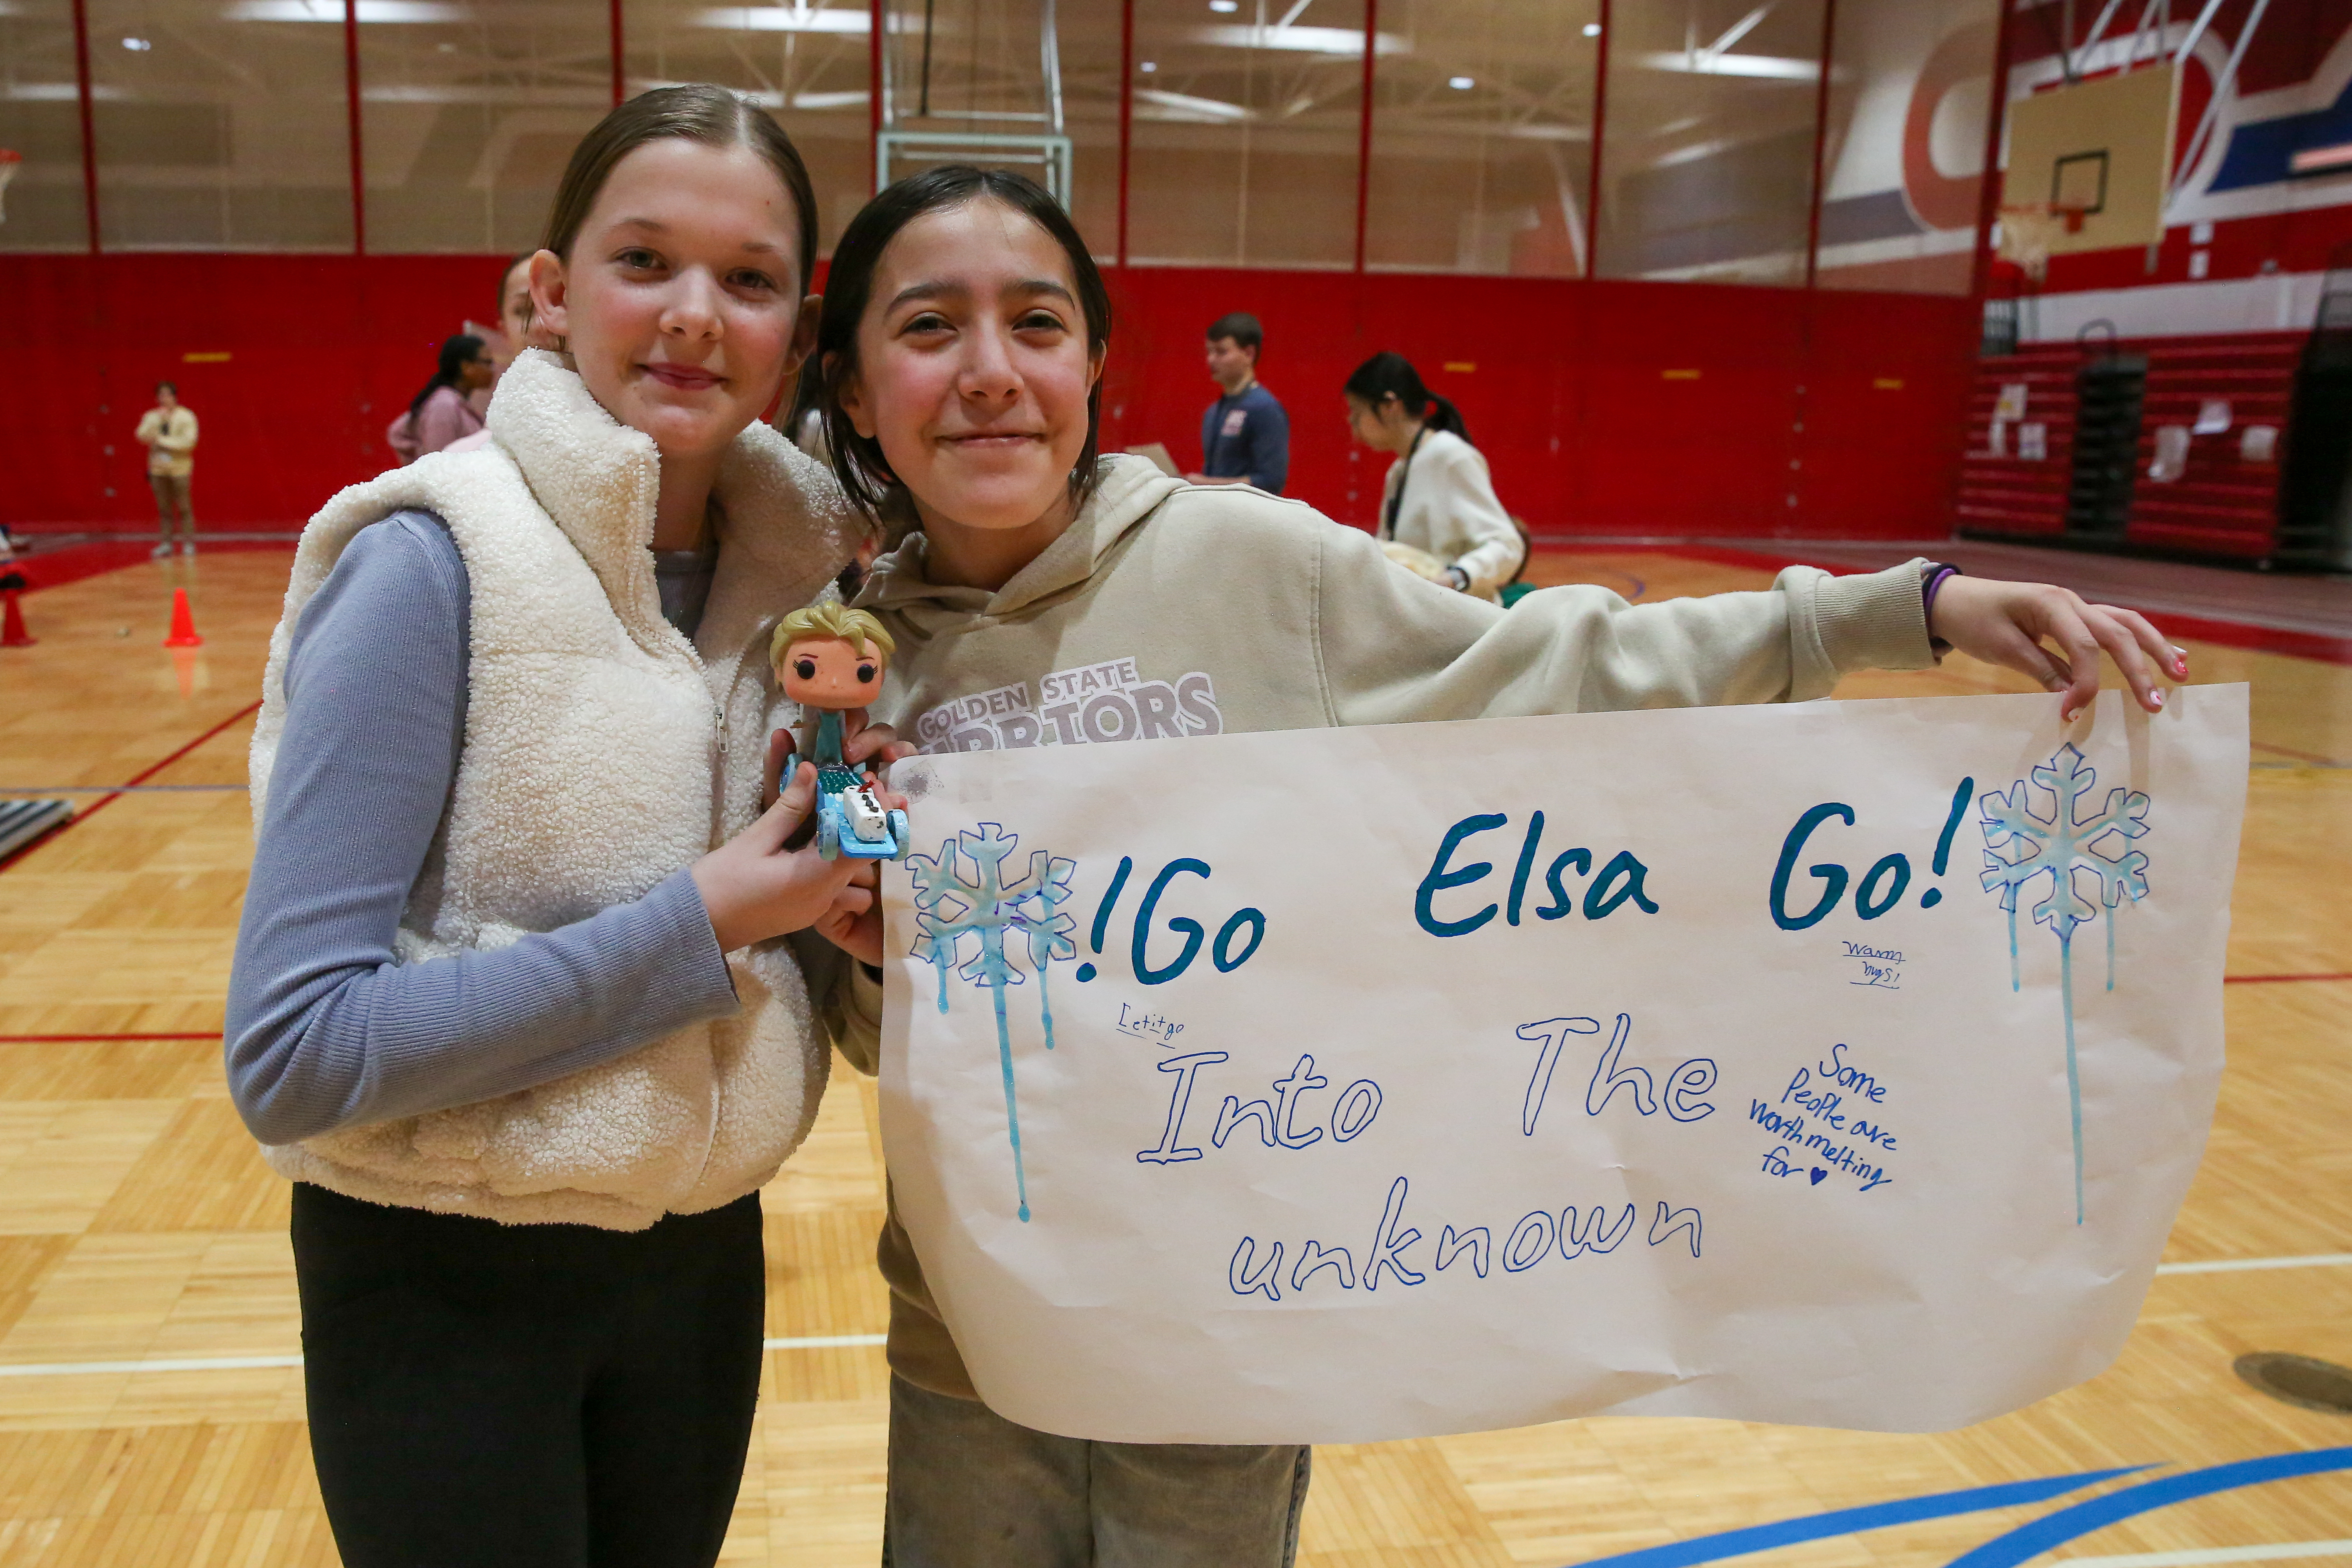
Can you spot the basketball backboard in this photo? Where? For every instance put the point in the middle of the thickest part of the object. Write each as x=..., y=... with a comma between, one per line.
x=2102, y=149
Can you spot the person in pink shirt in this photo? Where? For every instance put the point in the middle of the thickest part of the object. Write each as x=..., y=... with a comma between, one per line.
x=515, y=324
x=440, y=414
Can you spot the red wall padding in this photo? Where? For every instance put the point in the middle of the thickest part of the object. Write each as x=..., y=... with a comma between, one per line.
x=1823, y=415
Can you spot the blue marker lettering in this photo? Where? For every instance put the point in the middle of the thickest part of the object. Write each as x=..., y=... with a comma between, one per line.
x=1233, y=1114
x=1439, y=879
x=1244, y=1281
x=1553, y=1032
x=1526, y=863
x=1479, y=1239
x=1357, y=1107
x=1193, y=936
x=1689, y=1080
x=1388, y=1240
x=1834, y=875
x=1607, y=1078
x=1312, y=1256
x=1302, y=1076
x=1598, y=901
x=1529, y=1240
x=1592, y=1235
x=1178, y=1097
x=1563, y=903
x=1866, y=903
x=1671, y=1220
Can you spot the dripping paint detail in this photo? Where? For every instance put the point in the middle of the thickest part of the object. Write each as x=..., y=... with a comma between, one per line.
x=950, y=906
x=2063, y=846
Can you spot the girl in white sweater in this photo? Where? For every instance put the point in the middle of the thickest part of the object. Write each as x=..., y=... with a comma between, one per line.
x=1438, y=498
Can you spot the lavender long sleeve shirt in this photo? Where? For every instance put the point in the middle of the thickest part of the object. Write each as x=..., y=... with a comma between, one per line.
x=326, y=1028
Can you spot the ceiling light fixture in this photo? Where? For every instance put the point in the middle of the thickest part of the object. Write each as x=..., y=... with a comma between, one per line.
x=138, y=45
x=1461, y=84
x=1593, y=29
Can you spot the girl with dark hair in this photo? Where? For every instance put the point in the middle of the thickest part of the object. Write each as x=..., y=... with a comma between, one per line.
x=963, y=349
x=1438, y=501
x=508, y=1005
x=442, y=411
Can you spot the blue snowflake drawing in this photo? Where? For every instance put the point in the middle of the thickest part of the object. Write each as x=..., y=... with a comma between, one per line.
x=2065, y=847
x=949, y=908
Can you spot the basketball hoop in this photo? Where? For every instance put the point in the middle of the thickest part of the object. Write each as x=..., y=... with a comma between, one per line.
x=10, y=161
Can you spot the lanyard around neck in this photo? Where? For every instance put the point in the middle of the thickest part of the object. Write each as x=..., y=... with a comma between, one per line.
x=1405, y=472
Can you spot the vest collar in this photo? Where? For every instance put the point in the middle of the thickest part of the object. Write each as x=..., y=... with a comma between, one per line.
x=779, y=515
x=595, y=478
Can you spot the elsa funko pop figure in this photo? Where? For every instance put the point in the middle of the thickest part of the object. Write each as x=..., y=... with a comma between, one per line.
x=831, y=659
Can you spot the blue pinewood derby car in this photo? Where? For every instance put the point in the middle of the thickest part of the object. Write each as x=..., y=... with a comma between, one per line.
x=851, y=820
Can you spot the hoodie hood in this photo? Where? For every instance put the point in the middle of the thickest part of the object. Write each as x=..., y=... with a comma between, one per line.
x=1131, y=489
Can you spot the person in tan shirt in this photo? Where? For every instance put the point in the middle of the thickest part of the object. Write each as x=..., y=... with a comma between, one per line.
x=961, y=350
x=168, y=432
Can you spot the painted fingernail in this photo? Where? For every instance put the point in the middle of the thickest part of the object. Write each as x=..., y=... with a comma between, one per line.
x=2155, y=699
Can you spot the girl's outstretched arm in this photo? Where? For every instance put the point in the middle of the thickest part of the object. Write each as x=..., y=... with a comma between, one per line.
x=2013, y=624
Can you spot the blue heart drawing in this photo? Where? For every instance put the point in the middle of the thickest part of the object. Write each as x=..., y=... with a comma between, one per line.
x=1818, y=1174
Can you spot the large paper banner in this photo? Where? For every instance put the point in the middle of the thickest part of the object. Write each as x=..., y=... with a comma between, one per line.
x=1840, y=1064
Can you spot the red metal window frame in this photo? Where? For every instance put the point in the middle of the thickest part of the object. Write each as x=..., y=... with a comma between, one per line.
x=1821, y=139
x=1989, y=192
x=89, y=137
x=1599, y=127
x=1126, y=112
x=618, y=78
x=1987, y=204
x=876, y=20
x=1364, y=128
x=352, y=106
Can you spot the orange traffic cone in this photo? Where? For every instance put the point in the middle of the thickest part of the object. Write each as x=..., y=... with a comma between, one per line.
x=183, y=623
x=12, y=623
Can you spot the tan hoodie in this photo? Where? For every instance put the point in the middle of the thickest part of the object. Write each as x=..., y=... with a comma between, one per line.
x=1170, y=609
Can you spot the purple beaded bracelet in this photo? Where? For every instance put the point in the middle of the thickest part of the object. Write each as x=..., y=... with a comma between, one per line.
x=1929, y=586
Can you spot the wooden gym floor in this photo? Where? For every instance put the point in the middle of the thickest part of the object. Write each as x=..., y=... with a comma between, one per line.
x=150, y=1407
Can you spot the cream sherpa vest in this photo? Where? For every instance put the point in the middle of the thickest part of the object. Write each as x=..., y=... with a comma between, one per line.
x=592, y=769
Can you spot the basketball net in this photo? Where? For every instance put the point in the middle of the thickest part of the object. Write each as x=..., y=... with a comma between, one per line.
x=2028, y=232
x=10, y=161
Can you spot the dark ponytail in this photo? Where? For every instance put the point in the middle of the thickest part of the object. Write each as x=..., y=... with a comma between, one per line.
x=457, y=353
x=1391, y=375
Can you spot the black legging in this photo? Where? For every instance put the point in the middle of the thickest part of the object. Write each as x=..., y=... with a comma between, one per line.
x=531, y=1396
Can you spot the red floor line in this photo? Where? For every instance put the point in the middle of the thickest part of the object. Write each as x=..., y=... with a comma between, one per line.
x=103, y=802
x=74, y=563
x=252, y=708
x=90, y=1039
x=2273, y=979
